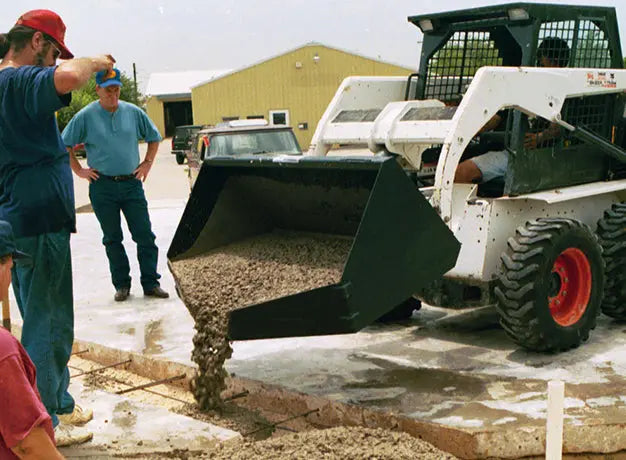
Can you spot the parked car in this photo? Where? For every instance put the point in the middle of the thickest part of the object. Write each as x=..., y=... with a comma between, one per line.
x=240, y=137
x=182, y=139
x=79, y=151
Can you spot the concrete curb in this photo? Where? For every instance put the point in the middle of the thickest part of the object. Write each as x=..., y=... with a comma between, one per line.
x=522, y=441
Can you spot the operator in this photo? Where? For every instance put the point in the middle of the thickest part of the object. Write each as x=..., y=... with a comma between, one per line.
x=552, y=52
x=111, y=130
x=37, y=197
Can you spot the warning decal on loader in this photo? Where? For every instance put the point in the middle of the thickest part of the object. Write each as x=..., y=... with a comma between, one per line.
x=601, y=79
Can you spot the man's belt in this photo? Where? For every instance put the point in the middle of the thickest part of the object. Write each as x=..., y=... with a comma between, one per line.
x=119, y=178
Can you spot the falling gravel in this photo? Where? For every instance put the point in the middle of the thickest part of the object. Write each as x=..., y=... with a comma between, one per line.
x=248, y=272
x=341, y=443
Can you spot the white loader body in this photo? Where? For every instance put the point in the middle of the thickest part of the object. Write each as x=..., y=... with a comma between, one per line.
x=372, y=111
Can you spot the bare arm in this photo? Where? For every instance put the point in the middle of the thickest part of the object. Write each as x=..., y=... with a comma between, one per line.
x=85, y=173
x=491, y=124
x=73, y=74
x=143, y=169
x=37, y=445
x=74, y=164
x=532, y=140
x=152, y=151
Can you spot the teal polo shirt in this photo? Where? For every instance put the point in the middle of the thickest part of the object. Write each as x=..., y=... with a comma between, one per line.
x=111, y=138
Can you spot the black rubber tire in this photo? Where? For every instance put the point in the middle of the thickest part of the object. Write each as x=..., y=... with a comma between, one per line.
x=401, y=312
x=180, y=158
x=612, y=234
x=525, y=284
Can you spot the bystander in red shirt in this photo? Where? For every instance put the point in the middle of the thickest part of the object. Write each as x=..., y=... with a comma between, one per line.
x=21, y=408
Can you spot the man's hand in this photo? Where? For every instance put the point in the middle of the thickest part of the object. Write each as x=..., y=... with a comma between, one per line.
x=531, y=140
x=74, y=73
x=88, y=173
x=142, y=170
x=103, y=62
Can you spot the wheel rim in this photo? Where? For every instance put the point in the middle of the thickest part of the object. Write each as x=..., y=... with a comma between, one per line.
x=570, y=287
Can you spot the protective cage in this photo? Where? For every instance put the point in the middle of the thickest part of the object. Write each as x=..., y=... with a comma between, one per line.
x=457, y=43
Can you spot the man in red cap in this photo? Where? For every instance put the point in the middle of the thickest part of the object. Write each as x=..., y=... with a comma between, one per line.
x=37, y=199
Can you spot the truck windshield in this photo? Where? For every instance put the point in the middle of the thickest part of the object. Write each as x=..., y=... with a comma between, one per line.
x=253, y=142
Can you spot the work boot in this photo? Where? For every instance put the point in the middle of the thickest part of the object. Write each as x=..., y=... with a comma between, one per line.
x=80, y=416
x=68, y=435
x=156, y=292
x=122, y=294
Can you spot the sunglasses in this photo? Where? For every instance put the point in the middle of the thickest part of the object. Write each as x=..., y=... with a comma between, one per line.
x=57, y=52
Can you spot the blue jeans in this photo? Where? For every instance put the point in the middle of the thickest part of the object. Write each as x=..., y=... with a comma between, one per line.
x=43, y=289
x=108, y=199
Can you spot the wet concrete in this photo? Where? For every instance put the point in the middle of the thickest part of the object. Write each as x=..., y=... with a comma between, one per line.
x=454, y=368
x=126, y=428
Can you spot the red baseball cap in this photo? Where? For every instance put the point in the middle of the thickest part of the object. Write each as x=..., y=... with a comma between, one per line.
x=50, y=23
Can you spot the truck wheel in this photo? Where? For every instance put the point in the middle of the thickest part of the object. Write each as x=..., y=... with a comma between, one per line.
x=612, y=234
x=551, y=285
x=401, y=312
x=180, y=158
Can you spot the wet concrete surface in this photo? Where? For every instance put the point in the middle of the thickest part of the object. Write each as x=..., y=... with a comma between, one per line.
x=454, y=368
x=126, y=428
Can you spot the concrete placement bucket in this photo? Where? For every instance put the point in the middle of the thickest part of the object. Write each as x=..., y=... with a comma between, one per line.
x=398, y=242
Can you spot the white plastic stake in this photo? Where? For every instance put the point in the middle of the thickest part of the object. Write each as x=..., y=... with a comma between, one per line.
x=554, y=421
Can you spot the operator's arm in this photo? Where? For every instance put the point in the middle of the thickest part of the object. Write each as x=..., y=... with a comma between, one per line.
x=73, y=74
x=37, y=445
x=532, y=140
x=491, y=124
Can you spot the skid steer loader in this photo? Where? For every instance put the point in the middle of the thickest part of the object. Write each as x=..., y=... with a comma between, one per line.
x=546, y=242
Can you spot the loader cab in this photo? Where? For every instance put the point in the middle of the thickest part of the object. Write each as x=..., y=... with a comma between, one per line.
x=456, y=44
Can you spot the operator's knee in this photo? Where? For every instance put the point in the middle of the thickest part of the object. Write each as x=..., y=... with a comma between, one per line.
x=467, y=173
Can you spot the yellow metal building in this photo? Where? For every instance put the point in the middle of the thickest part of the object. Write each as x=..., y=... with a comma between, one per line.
x=293, y=88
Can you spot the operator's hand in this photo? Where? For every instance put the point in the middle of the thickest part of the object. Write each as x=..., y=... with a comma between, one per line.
x=88, y=173
x=531, y=140
x=142, y=170
x=103, y=62
x=6, y=263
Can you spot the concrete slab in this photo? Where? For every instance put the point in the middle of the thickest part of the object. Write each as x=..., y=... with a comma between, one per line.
x=123, y=427
x=457, y=369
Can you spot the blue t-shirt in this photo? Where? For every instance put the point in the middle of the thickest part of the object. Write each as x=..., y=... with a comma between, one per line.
x=111, y=138
x=36, y=185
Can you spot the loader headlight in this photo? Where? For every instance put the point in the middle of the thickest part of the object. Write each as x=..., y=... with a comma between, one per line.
x=426, y=25
x=518, y=14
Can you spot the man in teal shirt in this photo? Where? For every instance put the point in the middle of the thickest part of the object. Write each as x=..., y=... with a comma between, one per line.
x=111, y=130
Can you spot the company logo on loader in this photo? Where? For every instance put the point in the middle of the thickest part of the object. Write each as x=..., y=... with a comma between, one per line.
x=601, y=79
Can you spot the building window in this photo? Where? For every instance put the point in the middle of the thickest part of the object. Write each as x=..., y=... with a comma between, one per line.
x=255, y=117
x=226, y=119
x=279, y=117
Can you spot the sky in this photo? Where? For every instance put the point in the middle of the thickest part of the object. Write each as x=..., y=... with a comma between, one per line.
x=178, y=35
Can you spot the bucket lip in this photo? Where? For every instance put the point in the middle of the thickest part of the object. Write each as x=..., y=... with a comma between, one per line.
x=296, y=161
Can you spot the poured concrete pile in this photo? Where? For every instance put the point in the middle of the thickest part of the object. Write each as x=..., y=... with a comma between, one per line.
x=243, y=273
x=341, y=443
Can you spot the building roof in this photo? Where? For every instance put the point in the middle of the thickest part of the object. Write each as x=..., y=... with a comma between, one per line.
x=230, y=72
x=179, y=84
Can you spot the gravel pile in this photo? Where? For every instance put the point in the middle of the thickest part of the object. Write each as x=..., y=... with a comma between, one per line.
x=248, y=272
x=341, y=443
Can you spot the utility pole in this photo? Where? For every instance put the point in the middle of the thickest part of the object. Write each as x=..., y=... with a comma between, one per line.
x=135, y=82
